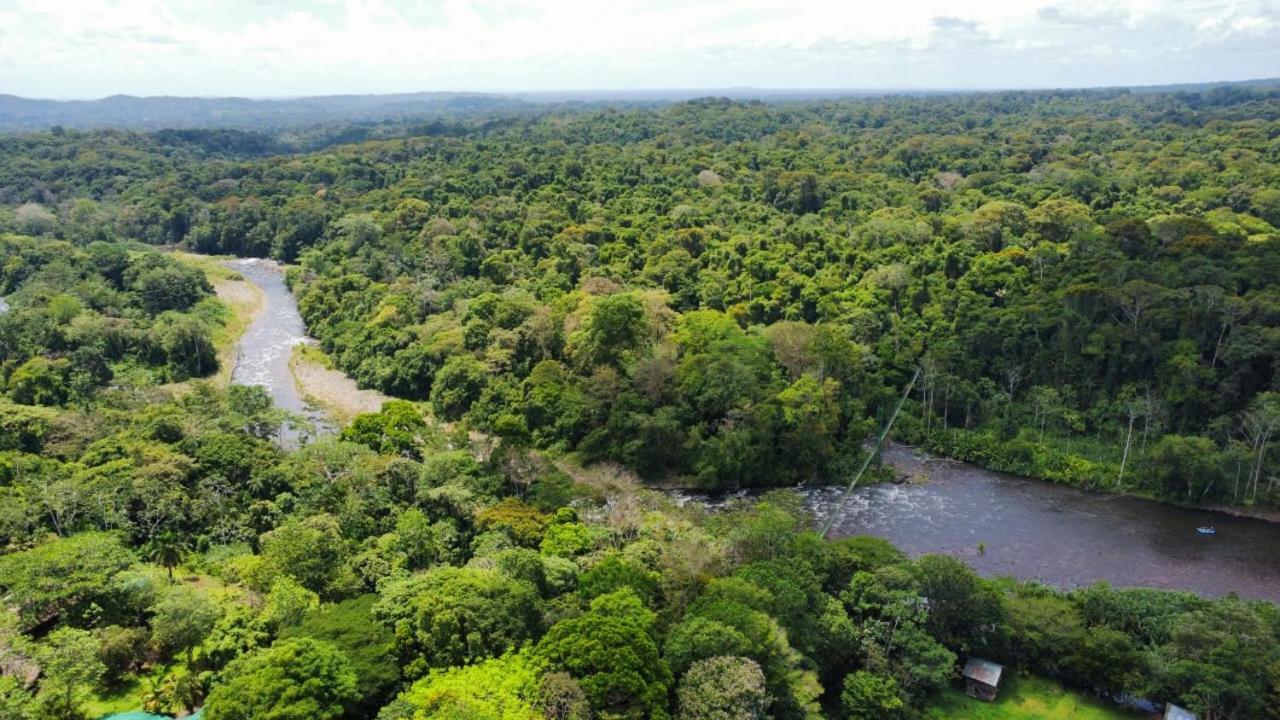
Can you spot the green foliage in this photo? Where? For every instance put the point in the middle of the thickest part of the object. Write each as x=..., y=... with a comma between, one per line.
x=15, y=703
x=40, y=381
x=568, y=539
x=616, y=572
x=63, y=576
x=451, y=616
x=23, y=428
x=162, y=284
x=712, y=293
x=894, y=620
x=524, y=522
x=182, y=619
x=1043, y=626
x=121, y=650
x=350, y=627
x=287, y=603
x=236, y=633
x=722, y=688
x=81, y=314
x=501, y=688
x=1185, y=466
x=396, y=429
x=842, y=557
x=188, y=347
x=611, y=650
x=794, y=594
x=700, y=638
x=1218, y=661
x=70, y=666
x=965, y=614
x=732, y=326
x=457, y=385
x=614, y=325
x=867, y=696
x=309, y=550
x=1102, y=657
x=730, y=618
x=296, y=679
x=1145, y=614
x=749, y=322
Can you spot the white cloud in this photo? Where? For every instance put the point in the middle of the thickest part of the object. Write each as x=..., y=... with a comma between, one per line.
x=274, y=47
x=1233, y=27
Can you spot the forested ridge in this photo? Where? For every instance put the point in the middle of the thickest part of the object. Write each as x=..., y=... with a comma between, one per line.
x=578, y=303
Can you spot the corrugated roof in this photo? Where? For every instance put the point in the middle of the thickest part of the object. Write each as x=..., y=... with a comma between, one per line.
x=984, y=671
x=1173, y=712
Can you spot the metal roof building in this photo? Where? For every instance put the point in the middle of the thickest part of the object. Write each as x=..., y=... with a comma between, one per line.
x=982, y=678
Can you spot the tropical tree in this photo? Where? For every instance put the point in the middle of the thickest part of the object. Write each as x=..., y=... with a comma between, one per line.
x=295, y=679
x=167, y=549
x=722, y=688
x=612, y=651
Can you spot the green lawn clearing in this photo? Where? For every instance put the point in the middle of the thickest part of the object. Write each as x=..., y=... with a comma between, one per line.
x=1025, y=698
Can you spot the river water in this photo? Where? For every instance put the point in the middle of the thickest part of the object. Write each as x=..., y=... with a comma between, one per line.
x=1000, y=524
x=1033, y=530
x=262, y=357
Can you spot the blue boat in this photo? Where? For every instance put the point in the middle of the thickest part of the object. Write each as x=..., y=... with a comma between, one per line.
x=1207, y=530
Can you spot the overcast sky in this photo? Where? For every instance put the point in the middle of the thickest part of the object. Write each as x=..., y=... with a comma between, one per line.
x=257, y=48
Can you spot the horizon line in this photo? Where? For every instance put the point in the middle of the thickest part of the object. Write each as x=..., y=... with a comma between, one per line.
x=866, y=90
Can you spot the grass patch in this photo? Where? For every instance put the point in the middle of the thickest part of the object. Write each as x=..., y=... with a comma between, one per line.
x=128, y=696
x=1025, y=697
x=312, y=353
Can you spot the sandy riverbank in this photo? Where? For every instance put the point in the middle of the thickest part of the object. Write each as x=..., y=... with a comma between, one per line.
x=330, y=389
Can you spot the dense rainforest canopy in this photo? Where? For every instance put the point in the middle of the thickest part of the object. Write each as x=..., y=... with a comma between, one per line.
x=570, y=304
x=728, y=293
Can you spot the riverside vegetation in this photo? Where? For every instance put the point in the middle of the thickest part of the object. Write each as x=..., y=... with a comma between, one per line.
x=712, y=293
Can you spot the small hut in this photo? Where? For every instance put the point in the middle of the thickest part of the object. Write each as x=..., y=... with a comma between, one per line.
x=1173, y=712
x=982, y=678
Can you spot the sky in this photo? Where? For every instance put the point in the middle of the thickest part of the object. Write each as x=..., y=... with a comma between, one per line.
x=274, y=48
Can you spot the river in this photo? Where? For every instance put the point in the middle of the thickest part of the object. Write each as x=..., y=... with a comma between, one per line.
x=1000, y=524
x=262, y=356
x=1067, y=537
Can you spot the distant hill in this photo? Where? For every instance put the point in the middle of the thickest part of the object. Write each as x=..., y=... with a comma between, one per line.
x=19, y=114
x=150, y=113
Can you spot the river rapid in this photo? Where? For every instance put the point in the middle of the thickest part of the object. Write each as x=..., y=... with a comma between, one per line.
x=1000, y=524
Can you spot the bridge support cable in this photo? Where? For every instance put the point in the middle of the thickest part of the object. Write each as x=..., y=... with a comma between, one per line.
x=838, y=510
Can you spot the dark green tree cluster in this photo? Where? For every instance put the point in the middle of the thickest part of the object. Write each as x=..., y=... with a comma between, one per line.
x=79, y=318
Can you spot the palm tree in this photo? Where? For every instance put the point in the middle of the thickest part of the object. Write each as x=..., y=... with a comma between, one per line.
x=167, y=549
